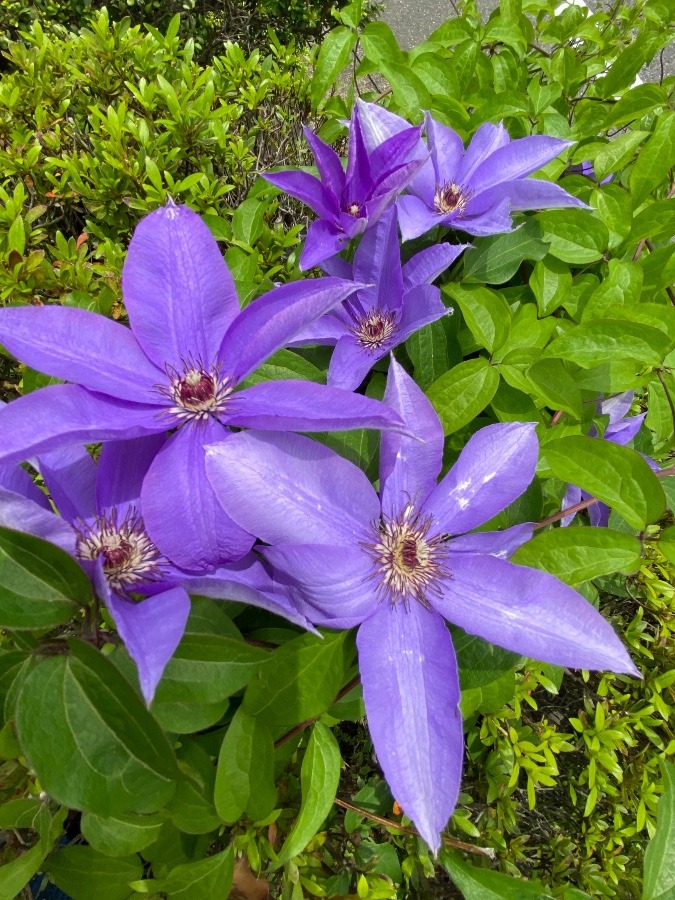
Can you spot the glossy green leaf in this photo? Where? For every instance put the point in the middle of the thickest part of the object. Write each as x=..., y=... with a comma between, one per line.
x=191, y=806
x=635, y=104
x=609, y=340
x=15, y=875
x=666, y=546
x=245, y=775
x=121, y=835
x=334, y=54
x=285, y=364
x=118, y=760
x=659, y=871
x=319, y=779
x=484, y=884
x=486, y=313
x=552, y=383
x=40, y=585
x=207, y=668
x=490, y=697
x=579, y=554
x=85, y=874
x=551, y=281
x=614, y=474
x=438, y=74
x=494, y=260
x=628, y=63
x=616, y=153
x=656, y=158
x=300, y=680
x=621, y=287
x=247, y=221
x=463, y=392
x=428, y=350
x=574, y=235
x=211, y=877
x=480, y=662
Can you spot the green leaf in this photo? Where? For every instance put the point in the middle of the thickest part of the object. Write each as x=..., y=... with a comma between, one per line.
x=285, y=364
x=15, y=875
x=607, y=340
x=655, y=160
x=211, y=877
x=579, y=554
x=16, y=236
x=574, y=235
x=428, y=350
x=496, y=259
x=120, y=835
x=615, y=207
x=635, y=103
x=334, y=54
x=191, y=807
x=484, y=884
x=245, y=775
x=89, y=737
x=621, y=287
x=207, y=668
x=21, y=813
x=628, y=63
x=480, y=662
x=41, y=586
x=551, y=281
x=85, y=874
x=247, y=221
x=617, y=153
x=552, y=382
x=659, y=874
x=319, y=779
x=486, y=313
x=490, y=697
x=219, y=227
x=300, y=680
x=666, y=546
x=614, y=474
x=380, y=46
x=463, y=392
x=438, y=74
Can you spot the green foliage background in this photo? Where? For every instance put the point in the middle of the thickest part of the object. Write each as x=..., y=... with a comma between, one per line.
x=240, y=755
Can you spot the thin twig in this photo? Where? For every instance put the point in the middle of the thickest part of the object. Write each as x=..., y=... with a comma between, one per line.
x=387, y=823
x=297, y=729
x=556, y=418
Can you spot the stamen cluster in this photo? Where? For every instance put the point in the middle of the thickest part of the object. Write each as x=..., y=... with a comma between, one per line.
x=129, y=556
x=375, y=328
x=197, y=393
x=409, y=563
x=450, y=197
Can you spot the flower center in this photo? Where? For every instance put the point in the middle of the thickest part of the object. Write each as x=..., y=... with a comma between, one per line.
x=374, y=329
x=450, y=197
x=198, y=392
x=352, y=209
x=129, y=556
x=408, y=563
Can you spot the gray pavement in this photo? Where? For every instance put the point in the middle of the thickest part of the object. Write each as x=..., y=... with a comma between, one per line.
x=412, y=21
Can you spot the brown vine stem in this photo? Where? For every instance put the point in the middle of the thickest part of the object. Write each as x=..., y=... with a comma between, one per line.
x=556, y=418
x=297, y=729
x=387, y=823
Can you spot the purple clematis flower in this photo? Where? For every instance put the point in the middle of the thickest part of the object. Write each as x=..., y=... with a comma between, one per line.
x=178, y=367
x=476, y=189
x=398, y=302
x=101, y=525
x=398, y=565
x=586, y=168
x=621, y=429
x=348, y=203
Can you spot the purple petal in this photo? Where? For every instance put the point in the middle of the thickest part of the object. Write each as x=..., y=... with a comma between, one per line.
x=351, y=362
x=326, y=330
x=287, y=488
x=531, y=193
x=336, y=580
x=338, y=268
x=358, y=176
x=83, y=347
x=324, y=239
x=329, y=165
x=447, y=150
x=415, y=218
x=306, y=406
x=21, y=514
x=273, y=320
x=494, y=468
x=121, y=469
x=151, y=630
x=409, y=467
x=70, y=476
x=485, y=141
x=14, y=478
x=411, y=692
x=378, y=124
x=421, y=306
x=598, y=515
x=68, y=414
x=378, y=261
x=495, y=220
x=573, y=495
x=405, y=149
x=625, y=430
x=425, y=266
x=497, y=543
x=226, y=583
x=180, y=510
x=515, y=160
x=306, y=188
x=617, y=407
x=178, y=291
x=529, y=612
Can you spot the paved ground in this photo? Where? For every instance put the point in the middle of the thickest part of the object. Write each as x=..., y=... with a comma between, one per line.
x=412, y=21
